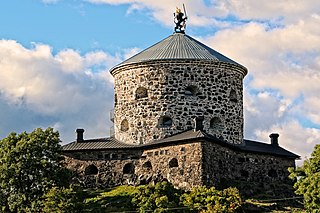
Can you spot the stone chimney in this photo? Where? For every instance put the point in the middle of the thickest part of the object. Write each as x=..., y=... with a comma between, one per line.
x=80, y=135
x=198, y=123
x=274, y=139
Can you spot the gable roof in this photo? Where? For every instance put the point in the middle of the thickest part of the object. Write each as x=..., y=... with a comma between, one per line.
x=177, y=46
x=187, y=136
x=97, y=144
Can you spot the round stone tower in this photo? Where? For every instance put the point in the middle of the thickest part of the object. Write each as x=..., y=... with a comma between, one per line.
x=162, y=90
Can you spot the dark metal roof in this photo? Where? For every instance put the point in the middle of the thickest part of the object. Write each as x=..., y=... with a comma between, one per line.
x=177, y=46
x=259, y=147
x=187, y=136
x=96, y=144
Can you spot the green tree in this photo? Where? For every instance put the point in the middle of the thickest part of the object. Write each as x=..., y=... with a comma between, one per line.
x=308, y=180
x=30, y=165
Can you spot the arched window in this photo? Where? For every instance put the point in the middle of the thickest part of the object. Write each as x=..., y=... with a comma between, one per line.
x=216, y=124
x=191, y=91
x=147, y=165
x=141, y=92
x=173, y=163
x=165, y=121
x=128, y=168
x=91, y=170
x=124, y=126
x=233, y=96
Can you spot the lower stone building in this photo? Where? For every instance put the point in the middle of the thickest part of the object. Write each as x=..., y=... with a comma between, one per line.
x=188, y=159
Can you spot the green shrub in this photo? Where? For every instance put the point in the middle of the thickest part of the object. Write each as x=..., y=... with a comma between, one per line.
x=211, y=200
x=157, y=197
x=62, y=200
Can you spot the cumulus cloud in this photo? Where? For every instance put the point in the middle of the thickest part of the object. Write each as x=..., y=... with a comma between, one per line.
x=217, y=13
x=281, y=89
x=294, y=137
x=162, y=11
x=66, y=90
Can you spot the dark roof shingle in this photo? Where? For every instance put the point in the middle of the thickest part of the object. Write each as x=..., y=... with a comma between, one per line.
x=177, y=46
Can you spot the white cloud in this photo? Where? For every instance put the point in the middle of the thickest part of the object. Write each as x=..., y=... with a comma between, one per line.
x=63, y=90
x=294, y=137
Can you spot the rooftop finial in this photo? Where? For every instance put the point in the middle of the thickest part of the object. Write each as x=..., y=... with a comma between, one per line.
x=180, y=20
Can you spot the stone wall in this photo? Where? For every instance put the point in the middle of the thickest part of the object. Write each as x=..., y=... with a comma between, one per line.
x=179, y=164
x=156, y=99
x=185, y=165
x=249, y=172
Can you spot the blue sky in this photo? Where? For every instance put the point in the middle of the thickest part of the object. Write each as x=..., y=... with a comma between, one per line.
x=55, y=57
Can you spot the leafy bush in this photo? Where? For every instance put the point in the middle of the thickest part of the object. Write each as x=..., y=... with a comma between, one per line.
x=211, y=200
x=157, y=197
x=62, y=200
x=308, y=180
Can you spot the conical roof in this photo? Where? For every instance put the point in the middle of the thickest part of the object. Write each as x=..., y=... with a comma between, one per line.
x=177, y=46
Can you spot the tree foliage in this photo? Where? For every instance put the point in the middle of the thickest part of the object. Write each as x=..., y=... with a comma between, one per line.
x=30, y=165
x=62, y=200
x=308, y=180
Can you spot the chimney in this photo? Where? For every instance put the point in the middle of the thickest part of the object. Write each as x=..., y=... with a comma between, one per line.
x=198, y=121
x=80, y=135
x=274, y=139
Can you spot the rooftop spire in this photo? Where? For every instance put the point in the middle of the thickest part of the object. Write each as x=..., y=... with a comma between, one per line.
x=180, y=20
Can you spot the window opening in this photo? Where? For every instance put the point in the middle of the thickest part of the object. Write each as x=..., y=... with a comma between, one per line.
x=190, y=91
x=165, y=121
x=128, y=168
x=124, y=125
x=91, y=170
x=173, y=163
x=147, y=165
x=141, y=92
x=233, y=96
x=216, y=123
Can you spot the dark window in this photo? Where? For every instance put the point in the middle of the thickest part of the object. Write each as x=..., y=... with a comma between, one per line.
x=115, y=100
x=124, y=125
x=165, y=121
x=128, y=168
x=233, y=96
x=191, y=91
x=91, y=170
x=173, y=163
x=141, y=92
x=216, y=123
x=147, y=165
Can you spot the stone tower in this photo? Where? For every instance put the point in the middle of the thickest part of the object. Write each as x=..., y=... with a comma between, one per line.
x=174, y=84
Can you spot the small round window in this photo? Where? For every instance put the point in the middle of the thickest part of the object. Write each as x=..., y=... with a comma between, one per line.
x=124, y=125
x=141, y=92
x=165, y=121
x=190, y=91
